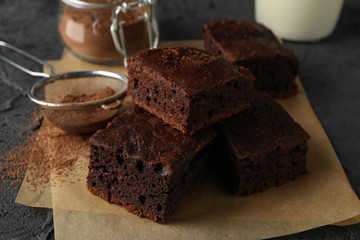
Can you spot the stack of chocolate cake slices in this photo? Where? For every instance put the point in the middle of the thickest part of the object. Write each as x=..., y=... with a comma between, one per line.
x=193, y=109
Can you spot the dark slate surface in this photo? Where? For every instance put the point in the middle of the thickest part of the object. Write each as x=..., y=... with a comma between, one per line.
x=330, y=73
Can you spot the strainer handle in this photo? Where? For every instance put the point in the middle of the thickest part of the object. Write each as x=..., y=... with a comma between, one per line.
x=29, y=56
x=114, y=105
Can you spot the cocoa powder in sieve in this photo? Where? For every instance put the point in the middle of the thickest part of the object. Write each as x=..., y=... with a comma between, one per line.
x=101, y=94
x=86, y=31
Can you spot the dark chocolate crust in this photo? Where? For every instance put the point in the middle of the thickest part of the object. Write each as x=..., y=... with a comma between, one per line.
x=145, y=165
x=255, y=47
x=265, y=147
x=188, y=88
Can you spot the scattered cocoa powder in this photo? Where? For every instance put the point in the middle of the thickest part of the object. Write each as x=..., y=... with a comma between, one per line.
x=101, y=94
x=46, y=151
x=14, y=162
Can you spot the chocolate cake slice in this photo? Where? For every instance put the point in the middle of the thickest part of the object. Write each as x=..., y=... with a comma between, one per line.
x=265, y=147
x=252, y=45
x=145, y=165
x=188, y=88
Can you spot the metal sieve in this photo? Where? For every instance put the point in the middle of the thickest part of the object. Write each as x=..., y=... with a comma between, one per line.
x=82, y=117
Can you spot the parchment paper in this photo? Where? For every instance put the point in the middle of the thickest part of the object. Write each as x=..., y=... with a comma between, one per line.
x=320, y=197
x=32, y=193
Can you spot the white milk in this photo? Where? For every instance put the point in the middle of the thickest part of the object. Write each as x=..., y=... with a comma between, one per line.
x=299, y=20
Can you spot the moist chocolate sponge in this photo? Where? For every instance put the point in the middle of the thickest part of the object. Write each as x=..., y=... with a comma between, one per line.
x=188, y=88
x=263, y=147
x=145, y=165
x=252, y=45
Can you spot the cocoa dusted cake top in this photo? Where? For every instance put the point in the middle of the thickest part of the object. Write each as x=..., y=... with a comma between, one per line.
x=241, y=40
x=187, y=69
x=142, y=135
x=263, y=126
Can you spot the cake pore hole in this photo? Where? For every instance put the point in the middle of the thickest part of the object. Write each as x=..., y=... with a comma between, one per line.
x=161, y=169
x=294, y=163
x=119, y=159
x=218, y=97
x=183, y=180
x=158, y=208
x=210, y=113
x=158, y=167
x=182, y=109
x=140, y=166
x=297, y=148
x=142, y=199
x=115, y=181
x=136, y=83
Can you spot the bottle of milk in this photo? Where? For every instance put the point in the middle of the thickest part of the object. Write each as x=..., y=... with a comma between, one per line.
x=299, y=20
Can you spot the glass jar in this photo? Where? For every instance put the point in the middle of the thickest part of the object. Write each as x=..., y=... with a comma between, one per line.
x=108, y=31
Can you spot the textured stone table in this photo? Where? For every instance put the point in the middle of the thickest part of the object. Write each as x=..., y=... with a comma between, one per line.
x=330, y=73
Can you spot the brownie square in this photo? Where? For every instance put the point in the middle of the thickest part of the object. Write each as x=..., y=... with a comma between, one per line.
x=255, y=47
x=265, y=147
x=145, y=165
x=188, y=88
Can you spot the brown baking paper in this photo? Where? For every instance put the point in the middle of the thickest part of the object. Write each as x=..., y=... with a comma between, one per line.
x=320, y=197
x=32, y=192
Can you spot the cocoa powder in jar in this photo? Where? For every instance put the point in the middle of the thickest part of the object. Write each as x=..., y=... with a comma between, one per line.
x=86, y=31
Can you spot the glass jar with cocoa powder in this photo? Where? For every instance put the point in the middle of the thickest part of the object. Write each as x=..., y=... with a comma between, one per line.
x=108, y=31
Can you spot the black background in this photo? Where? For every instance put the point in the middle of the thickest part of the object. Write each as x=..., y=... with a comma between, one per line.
x=330, y=73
